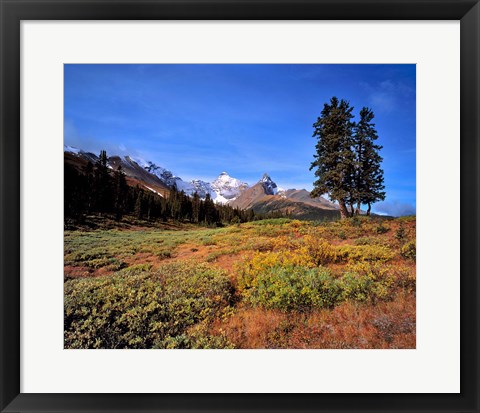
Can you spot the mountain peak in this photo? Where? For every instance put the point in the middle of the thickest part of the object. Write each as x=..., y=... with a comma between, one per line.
x=269, y=186
x=227, y=187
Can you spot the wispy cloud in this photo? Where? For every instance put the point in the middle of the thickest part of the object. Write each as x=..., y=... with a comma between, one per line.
x=90, y=143
x=388, y=95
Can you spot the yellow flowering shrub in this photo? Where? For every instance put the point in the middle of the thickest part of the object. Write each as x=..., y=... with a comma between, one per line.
x=379, y=273
x=320, y=251
x=263, y=261
x=355, y=253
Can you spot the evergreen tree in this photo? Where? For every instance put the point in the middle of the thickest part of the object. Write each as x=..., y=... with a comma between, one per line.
x=334, y=162
x=196, y=208
x=120, y=196
x=97, y=189
x=139, y=205
x=74, y=193
x=164, y=209
x=103, y=183
x=90, y=188
x=174, y=202
x=369, y=174
x=185, y=207
x=210, y=210
x=150, y=207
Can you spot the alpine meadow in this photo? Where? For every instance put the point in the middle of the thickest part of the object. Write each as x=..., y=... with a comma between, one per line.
x=289, y=222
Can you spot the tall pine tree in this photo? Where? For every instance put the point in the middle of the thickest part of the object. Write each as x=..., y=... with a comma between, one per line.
x=103, y=183
x=369, y=174
x=334, y=162
x=195, y=208
x=347, y=160
x=120, y=191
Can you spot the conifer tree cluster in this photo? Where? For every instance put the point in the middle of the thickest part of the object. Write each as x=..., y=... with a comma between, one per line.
x=99, y=190
x=347, y=161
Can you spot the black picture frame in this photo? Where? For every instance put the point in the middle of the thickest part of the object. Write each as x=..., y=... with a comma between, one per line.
x=13, y=11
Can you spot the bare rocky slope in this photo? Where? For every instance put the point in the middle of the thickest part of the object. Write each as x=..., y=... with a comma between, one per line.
x=264, y=197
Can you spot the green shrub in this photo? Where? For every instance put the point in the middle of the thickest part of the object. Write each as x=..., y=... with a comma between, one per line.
x=208, y=240
x=136, y=308
x=135, y=270
x=111, y=263
x=301, y=288
x=401, y=233
x=163, y=255
x=342, y=235
x=355, y=287
x=409, y=250
x=356, y=221
x=381, y=229
x=367, y=241
x=382, y=281
x=292, y=288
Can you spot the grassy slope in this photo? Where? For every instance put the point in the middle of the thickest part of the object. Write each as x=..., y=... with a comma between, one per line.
x=267, y=284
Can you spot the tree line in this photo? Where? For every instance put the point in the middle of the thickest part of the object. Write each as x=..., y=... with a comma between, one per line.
x=347, y=161
x=97, y=189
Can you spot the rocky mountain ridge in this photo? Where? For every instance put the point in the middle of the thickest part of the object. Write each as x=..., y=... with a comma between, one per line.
x=264, y=196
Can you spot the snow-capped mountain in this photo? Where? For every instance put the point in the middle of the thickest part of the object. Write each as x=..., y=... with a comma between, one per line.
x=263, y=197
x=196, y=185
x=227, y=188
x=263, y=188
x=202, y=188
x=222, y=190
x=170, y=179
x=164, y=174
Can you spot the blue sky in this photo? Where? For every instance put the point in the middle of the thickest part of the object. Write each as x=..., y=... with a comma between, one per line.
x=200, y=120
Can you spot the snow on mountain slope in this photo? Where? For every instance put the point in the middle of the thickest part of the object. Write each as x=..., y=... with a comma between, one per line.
x=71, y=149
x=222, y=190
x=227, y=187
x=135, y=174
x=163, y=174
x=80, y=153
x=133, y=170
x=202, y=188
x=166, y=176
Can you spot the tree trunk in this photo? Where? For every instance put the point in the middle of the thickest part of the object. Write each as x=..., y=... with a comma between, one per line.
x=369, y=208
x=352, y=210
x=343, y=210
x=357, y=211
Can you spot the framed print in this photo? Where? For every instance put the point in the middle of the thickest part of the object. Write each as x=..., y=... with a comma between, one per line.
x=239, y=206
